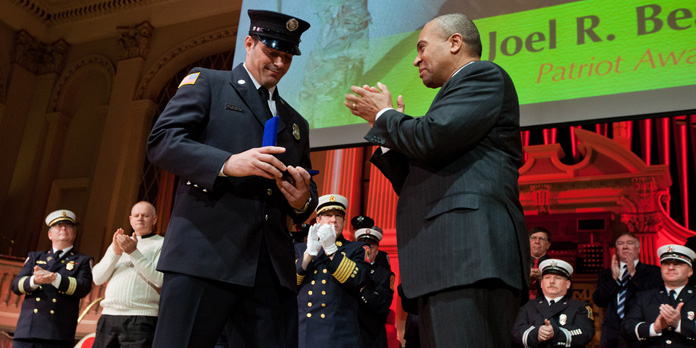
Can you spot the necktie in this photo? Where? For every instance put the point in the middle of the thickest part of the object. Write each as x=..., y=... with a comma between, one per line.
x=265, y=97
x=58, y=252
x=621, y=302
x=536, y=263
x=673, y=298
x=551, y=303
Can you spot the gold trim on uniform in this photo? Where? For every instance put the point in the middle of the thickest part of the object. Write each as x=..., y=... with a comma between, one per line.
x=20, y=285
x=72, y=287
x=344, y=270
x=300, y=279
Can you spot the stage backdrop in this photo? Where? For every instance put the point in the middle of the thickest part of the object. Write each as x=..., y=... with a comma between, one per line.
x=570, y=60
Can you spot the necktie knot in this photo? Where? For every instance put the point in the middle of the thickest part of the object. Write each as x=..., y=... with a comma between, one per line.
x=552, y=302
x=673, y=298
x=58, y=252
x=265, y=97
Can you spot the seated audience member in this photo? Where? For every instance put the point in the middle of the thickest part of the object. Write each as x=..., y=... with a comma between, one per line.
x=377, y=293
x=664, y=317
x=131, y=299
x=555, y=319
x=539, y=243
x=52, y=282
x=617, y=285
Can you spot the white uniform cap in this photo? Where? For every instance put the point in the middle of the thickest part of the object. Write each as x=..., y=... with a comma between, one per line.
x=368, y=233
x=556, y=266
x=332, y=202
x=60, y=215
x=676, y=252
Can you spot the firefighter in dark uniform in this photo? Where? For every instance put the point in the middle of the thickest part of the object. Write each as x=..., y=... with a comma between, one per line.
x=53, y=282
x=378, y=292
x=555, y=319
x=665, y=317
x=330, y=272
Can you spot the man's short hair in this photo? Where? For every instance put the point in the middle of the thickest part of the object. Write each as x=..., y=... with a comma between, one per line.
x=459, y=23
x=537, y=229
x=627, y=234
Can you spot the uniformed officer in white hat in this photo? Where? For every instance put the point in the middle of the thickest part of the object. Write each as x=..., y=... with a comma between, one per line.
x=664, y=317
x=556, y=317
x=52, y=282
x=330, y=272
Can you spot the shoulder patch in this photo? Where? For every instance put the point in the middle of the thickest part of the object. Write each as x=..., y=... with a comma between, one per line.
x=589, y=312
x=189, y=79
x=367, y=253
x=391, y=282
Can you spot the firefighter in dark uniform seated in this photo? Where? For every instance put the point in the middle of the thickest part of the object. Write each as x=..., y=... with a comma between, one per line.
x=330, y=272
x=664, y=317
x=378, y=292
x=53, y=282
x=555, y=319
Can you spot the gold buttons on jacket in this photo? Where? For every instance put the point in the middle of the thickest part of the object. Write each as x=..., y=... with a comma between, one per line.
x=323, y=281
x=324, y=270
x=309, y=315
x=309, y=304
x=38, y=299
x=323, y=292
x=269, y=192
x=53, y=312
x=313, y=282
x=310, y=292
x=36, y=310
x=54, y=300
x=323, y=316
x=323, y=304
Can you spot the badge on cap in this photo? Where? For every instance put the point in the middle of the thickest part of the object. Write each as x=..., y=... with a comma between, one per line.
x=292, y=24
x=296, y=131
x=563, y=319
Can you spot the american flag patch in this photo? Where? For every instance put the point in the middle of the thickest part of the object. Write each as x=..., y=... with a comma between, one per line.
x=189, y=80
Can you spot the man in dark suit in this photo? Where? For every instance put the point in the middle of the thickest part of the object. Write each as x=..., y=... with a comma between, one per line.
x=539, y=243
x=330, y=272
x=664, y=317
x=617, y=286
x=554, y=319
x=52, y=282
x=455, y=170
x=228, y=254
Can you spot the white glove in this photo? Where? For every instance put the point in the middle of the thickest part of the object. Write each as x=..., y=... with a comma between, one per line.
x=327, y=236
x=313, y=244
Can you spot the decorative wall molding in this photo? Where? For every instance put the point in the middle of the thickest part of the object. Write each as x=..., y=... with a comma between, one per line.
x=144, y=85
x=93, y=61
x=38, y=57
x=60, y=12
x=134, y=40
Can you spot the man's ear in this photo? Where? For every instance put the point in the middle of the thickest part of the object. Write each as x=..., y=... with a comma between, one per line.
x=456, y=43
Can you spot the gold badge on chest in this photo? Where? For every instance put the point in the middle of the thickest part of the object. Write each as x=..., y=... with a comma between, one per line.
x=70, y=266
x=563, y=319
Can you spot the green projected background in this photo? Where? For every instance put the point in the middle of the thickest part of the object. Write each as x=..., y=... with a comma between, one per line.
x=603, y=58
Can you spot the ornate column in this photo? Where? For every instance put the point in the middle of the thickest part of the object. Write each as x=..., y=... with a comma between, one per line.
x=646, y=220
x=122, y=149
x=23, y=133
x=543, y=197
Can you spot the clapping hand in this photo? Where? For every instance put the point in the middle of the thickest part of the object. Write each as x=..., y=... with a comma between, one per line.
x=313, y=243
x=327, y=236
x=545, y=331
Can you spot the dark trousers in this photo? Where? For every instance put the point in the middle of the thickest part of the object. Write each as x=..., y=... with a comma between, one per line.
x=122, y=331
x=480, y=315
x=194, y=311
x=38, y=343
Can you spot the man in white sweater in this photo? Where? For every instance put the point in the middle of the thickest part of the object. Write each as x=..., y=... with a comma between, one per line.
x=129, y=314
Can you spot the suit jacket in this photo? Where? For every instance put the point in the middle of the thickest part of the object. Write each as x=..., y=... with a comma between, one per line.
x=376, y=297
x=605, y=296
x=218, y=224
x=572, y=321
x=459, y=218
x=327, y=298
x=49, y=313
x=645, y=308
